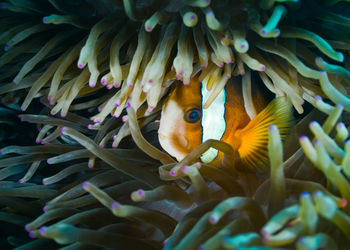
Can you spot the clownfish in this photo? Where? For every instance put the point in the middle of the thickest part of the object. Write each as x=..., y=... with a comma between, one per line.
x=185, y=123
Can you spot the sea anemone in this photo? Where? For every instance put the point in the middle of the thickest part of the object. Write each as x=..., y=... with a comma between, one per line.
x=107, y=66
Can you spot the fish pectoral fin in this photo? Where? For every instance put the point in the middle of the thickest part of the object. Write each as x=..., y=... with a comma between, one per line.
x=254, y=137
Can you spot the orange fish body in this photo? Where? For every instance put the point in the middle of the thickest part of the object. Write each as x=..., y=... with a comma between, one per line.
x=185, y=124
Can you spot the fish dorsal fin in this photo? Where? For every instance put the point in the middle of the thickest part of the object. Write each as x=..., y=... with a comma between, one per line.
x=254, y=137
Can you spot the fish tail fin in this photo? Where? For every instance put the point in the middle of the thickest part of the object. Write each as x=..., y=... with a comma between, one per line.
x=254, y=137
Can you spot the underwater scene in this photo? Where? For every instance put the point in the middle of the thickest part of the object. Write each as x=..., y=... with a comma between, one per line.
x=174, y=124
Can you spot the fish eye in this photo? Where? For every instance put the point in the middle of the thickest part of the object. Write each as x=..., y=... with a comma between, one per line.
x=193, y=115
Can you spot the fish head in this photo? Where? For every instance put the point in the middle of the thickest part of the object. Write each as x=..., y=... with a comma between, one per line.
x=180, y=129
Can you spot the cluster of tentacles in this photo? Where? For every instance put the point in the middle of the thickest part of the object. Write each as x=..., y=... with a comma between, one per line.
x=99, y=177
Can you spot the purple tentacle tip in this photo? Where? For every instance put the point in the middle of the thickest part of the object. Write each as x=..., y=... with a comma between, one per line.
x=101, y=145
x=172, y=173
x=213, y=219
x=63, y=129
x=43, y=231
x=85, y=185
x=27, y=228
x=115, y=205
x=184, y=168
x=45, y=209
x=272, y=127
x=20, y=181
x=90, y=166
x=318, y=193
x=31, y=234
x=303, y=138
x=305, y=195
x=80, y=65
x=140, y=192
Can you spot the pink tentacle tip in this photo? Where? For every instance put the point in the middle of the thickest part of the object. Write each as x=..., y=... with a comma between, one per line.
x=101, y=145
x=186, y=83
x=184, y=168
x=45, y=209
x=117, y=104
x=148, y=28
x=114, y=146
x=343, y=203
x=265, y=235
x=109, y=87
x=63, y=115
x=85, y=185
x=80, y=65
x=164, y=243
x=103, y=81
x=63, y=129
x=263, y=68
x=221, y=65
x=92, y=84
x=90, y=166
x=128, y=105
x=27, y=228
x=213, y=219
x=172, y=173
x=48, y=161
x=115, y=205
x=124, y=118
x=20, y=181
x=181, y=73
x=150, y=81
x=43, y=231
